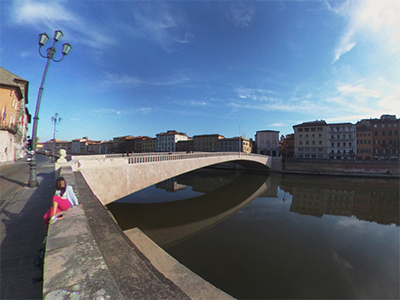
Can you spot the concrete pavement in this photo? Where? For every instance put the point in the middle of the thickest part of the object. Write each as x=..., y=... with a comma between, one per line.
x=22, y=234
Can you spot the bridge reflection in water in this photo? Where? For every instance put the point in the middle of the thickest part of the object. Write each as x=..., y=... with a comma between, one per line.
x=169, y=223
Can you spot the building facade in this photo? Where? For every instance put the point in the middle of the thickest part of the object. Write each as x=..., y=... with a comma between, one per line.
x=149, y=145
x=386, y=137
x=342, y=141
x=364, y=141
x=310, y=140
x=14, y=117
x=236, y=144
x=166, y=141
x=267, y=142
x=207, y=142
x=54, y=146
x=286, y=145
x=185, y=146
x=120, y=144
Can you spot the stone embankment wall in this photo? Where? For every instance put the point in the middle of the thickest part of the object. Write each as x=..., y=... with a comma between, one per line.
x=88, y=256
x=340, y=167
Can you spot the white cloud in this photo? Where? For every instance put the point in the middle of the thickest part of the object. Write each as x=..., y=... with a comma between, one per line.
x=160, y=24
x=124, y=79
x=391, y=102
x=56, y=15
x=116, y=112
x=49, y=13
x=376, y=20
x=360, y=91
x=241, y=13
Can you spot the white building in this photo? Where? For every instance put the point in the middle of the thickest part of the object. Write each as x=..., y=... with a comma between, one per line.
x=267, y=142
x=166, y=141
x=342, y=141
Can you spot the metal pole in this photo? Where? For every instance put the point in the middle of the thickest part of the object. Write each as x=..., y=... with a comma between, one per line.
x=54, y=120
x=33, y=182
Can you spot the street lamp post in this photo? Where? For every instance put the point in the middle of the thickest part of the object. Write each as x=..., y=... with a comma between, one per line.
x=43, y=38
x=55, y=121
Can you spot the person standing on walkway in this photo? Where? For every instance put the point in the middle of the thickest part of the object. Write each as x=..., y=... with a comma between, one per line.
x=63, y=199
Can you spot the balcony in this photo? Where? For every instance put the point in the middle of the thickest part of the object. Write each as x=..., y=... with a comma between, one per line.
x=13, y=129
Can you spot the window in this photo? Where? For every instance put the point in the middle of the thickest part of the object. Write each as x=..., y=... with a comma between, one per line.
x=320, y=142
x=376, y=133
x=300, y=136
x=300, y=143
x=383, y=125
x=306, y=136
x=313, y=142
x=349, y=144
x=383, y=132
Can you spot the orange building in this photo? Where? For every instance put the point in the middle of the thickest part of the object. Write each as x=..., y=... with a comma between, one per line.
x=14, y=117
x=385, y=136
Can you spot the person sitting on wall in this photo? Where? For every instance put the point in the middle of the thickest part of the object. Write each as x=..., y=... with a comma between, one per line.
x=63, y=199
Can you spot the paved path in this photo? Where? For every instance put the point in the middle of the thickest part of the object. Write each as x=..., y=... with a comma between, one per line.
x=22, y=232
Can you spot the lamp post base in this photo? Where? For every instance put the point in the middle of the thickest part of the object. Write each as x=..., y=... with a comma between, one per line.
x=33, y=182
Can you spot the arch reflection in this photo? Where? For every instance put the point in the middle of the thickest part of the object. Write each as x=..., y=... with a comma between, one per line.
x=169, y=223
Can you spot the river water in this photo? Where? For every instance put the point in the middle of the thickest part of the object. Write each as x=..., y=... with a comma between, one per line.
x=273, y=236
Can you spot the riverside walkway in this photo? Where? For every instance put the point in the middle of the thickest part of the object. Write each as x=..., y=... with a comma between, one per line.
x=89, y=257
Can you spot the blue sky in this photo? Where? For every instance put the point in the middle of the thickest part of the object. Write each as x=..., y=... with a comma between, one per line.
x=203, y=67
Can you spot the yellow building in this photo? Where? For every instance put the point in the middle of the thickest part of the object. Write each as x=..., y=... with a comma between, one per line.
x=14, y=117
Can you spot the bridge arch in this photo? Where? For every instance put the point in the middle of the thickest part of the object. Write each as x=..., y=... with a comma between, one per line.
x=112, y=177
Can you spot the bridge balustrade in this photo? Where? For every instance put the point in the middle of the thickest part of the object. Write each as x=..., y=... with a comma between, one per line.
x=158, y=157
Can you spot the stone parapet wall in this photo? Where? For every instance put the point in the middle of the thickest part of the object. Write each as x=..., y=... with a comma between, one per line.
x=380, y=167
x=88, y=256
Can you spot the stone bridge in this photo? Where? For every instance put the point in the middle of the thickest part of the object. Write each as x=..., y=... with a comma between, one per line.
x=114, y=176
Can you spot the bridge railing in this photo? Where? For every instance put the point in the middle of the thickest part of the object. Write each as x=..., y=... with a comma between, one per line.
x=158, y=157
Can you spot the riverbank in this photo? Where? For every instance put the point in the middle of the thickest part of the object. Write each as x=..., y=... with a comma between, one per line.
x=373, y=168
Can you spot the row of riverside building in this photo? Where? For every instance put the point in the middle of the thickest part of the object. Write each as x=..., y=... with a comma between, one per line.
x=267, y=142
x=367, y=139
